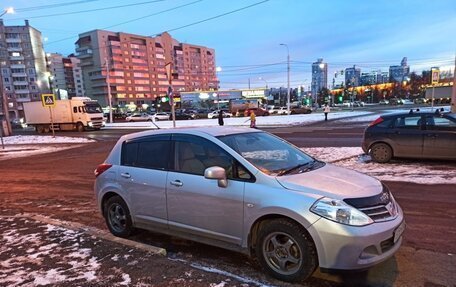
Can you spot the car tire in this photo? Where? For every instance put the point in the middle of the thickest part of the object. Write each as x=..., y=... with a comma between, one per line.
x=117, y=216
x=286, y=251
x=381, y=153
x=80, y=127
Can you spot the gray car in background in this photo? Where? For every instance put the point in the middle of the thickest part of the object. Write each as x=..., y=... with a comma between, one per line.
x=251, y=192
x=414, y=134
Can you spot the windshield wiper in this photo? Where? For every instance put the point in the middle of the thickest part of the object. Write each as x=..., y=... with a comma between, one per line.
x=309, y=165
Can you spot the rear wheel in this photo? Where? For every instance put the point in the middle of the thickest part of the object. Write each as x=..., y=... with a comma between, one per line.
x=117, y=216
x=40, y=129
x=286, y=251
x=381, y=153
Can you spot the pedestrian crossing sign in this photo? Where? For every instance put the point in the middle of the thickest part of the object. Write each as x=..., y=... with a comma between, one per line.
x=48, y=100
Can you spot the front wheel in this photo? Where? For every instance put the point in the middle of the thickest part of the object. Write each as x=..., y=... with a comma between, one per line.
x=80, y=127
x=117, y=216
x=381, y=153
x=286, y=251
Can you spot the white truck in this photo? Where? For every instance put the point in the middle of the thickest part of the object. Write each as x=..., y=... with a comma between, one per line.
x=78, y=113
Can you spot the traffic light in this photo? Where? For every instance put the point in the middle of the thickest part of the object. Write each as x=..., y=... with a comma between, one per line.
x=165, y=99
x=340, y=99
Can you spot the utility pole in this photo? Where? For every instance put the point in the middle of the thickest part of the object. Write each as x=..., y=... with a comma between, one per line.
x=453, y=94
x=109, y=89
x=288, y=78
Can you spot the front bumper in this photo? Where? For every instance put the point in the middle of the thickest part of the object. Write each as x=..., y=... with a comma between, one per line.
x=350, y=248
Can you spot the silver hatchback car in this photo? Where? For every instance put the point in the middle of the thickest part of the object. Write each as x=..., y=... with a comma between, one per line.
x=252, y=192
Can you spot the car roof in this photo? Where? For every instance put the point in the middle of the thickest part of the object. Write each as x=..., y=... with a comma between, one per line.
x=421, y=113
x=211, y=131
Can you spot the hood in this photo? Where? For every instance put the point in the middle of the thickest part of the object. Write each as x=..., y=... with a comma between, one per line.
x=332, y=181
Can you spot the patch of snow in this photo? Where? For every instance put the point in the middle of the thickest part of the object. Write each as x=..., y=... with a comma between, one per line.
x=228, y=274
x=44, y=139
x=126, y=280
x=423, y=172
x=243, y=121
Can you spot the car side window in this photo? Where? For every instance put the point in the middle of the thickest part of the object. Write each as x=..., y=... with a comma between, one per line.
x=152, y=153
x=440, y=123
x=195, y=154
x=406, y=122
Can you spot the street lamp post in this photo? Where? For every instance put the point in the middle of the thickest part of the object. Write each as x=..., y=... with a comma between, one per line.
x=218, y=70
x=260, y=78
x=9, y=10
x=288, y=78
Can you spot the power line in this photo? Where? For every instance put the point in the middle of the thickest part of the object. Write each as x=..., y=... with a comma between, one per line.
x=218, y=16
x=129, y=21
x=89, y=10
x=50, y=6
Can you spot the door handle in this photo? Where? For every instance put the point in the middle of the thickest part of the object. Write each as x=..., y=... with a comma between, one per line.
x=176, y=183
x=126, y=175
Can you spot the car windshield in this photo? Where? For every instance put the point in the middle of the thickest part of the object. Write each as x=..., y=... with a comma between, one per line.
x=269, y=153
x=93, y=108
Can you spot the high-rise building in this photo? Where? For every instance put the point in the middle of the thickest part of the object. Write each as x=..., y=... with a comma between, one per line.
x=22, y=65
x=399, y=73
x=352, y=76
x=137, y=67
x=319, y=77
x=374, y=77
x=66, y=76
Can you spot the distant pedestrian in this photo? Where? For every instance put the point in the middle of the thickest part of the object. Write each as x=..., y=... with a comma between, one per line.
x=220, y=118
x=326, y=110
x=252, y=120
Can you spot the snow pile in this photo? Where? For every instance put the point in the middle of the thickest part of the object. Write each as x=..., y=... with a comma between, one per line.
x=44, y=140
x=417, y=171
x=243, y=121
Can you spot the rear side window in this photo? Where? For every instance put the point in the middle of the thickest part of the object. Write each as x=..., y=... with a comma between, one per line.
x=147, y=153
x=386, y=124
x=406, y=122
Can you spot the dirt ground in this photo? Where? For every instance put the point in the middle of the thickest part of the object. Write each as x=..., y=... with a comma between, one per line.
x=60, y=186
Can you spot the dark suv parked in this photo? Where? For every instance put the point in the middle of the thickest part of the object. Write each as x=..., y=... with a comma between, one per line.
x=413, y=135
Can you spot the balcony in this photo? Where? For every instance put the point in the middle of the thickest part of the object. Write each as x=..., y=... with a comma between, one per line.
x=19, y=75
x=17, y=66
x=13, y=40
x=86, y=63
x=14, y=49
x=20, y=83
x=16, y=58
x=23, y=99
x=21, y=92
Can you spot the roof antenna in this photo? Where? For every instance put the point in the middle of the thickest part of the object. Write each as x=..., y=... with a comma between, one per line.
x=411, y=111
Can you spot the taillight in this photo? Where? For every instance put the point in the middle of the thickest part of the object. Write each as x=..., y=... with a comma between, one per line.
x=376, y=122
x=101, y=168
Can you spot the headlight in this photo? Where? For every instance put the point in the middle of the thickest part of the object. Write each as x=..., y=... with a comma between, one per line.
x=338, y=211
x=90, y=124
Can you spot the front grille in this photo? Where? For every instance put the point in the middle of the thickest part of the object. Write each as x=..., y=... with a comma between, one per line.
x=378, y=207
x=377, y=213
x=97, y=119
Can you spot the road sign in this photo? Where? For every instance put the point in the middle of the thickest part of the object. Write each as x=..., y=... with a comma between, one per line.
x=48, y=100
x=435, y=75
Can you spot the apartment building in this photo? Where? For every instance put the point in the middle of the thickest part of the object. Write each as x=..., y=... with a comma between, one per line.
x=319, y=77
x=136, y=65
x=399, y=73
x=65, y=76
x=352, y=76
x=22, y=65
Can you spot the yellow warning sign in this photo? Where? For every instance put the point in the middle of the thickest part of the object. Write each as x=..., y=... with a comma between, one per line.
x=48, y=100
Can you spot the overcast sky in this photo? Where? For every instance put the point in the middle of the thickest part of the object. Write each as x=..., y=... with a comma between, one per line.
x=370, y=34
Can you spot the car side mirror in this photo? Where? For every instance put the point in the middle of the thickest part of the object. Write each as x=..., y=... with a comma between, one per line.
x=218, y=173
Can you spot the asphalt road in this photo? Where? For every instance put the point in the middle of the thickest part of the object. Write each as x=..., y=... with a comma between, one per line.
x=59, y=186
